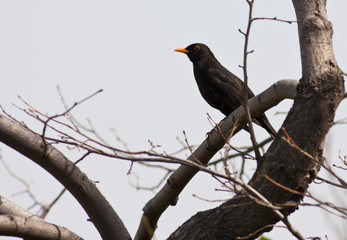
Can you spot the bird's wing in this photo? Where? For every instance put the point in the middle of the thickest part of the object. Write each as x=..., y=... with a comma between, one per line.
x=232, y=86
x=229, y=87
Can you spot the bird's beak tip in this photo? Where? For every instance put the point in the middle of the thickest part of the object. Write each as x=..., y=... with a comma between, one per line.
x=182, y=50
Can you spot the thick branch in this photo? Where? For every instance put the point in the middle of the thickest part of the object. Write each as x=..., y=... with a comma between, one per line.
x=9, y=208
x=33, y=229
x=315, y=34
x=233, y=123
x=16, y=221
x=318, y=94
x=84, y=190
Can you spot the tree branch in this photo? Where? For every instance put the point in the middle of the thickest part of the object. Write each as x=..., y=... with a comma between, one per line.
x=319, y=92
x=9, y=208
x=245, y=76
x=231, y=124
x=34, y=229
x=16, y=221
x=84, y=190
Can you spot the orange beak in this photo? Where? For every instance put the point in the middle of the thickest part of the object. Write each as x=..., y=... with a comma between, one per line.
x=182, y=50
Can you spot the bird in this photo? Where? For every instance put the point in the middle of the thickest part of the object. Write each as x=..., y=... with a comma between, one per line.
x=220, y=88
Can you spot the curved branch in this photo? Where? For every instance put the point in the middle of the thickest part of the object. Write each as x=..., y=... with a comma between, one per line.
x=34, y=229
x=318, y=94
x=12, y=217
x=67, y=173
x=9, y=208
x=231, y=125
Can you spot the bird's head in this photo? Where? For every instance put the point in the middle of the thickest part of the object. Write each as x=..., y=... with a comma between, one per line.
x=196, y=52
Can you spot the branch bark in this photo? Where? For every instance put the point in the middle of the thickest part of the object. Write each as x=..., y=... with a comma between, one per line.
x=9, y=208
x=67, y=173
x=216, y=140
x=319, y=93
x=28, y=228
x=16, y=221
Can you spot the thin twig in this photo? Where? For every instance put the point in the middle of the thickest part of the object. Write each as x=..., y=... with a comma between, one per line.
x=275, y=19
x=49, y=207
x=245, y=75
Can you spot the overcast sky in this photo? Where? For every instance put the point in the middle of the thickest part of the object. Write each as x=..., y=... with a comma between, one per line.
x=126, y=49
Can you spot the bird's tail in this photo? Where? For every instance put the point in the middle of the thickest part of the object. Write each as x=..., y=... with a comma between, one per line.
x=264, y=122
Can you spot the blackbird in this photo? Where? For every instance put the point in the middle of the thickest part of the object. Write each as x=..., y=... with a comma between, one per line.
x=219, y=87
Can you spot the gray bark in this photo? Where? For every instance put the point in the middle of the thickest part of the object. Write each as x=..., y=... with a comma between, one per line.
x=28, y=228
x=230, y=126
x=318, y=94
x=67, y=173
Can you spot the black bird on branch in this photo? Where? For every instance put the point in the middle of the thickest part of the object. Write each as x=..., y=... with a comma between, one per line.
x=219, y=87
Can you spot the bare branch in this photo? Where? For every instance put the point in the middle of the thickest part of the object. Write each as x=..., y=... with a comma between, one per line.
x=240, y=153
x=46, y=209
x=12, y=215
x=245, y=78
x=25, y=183
x=274, y=19
x=328, y=207
x=31, y=145
x=34, y=229
x=291, y=142
x=65, y=171
x=178, y=180
x=281, y=186
x=9, y=208
x=331, y=183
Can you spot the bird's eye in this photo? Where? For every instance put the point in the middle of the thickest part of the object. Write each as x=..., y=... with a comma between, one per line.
x=196, y=48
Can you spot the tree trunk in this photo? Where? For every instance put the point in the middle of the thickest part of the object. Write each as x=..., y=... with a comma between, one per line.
x=318, y=94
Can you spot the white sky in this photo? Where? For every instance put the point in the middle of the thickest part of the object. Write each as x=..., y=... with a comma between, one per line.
x=126, y=48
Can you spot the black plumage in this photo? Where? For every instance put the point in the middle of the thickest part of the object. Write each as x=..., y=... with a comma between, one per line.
x=219, y=87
